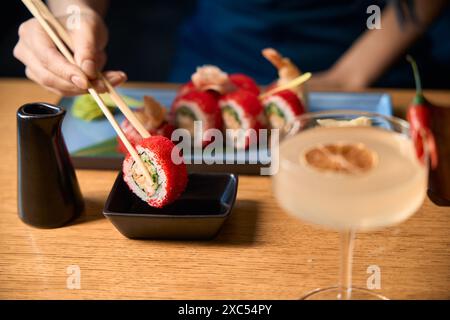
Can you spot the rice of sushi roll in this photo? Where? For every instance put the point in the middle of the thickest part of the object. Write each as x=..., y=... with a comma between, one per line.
x=168, y=178
x=241, y=112
x=282, y=108
x=196, y=106
x=242, y=81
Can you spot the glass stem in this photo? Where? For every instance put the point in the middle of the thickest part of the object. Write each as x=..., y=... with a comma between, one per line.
x=345, y=274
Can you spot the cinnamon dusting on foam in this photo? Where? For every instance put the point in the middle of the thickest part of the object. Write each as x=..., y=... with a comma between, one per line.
x=340, y=157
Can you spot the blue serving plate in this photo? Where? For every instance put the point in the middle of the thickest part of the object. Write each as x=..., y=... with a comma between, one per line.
x=92, y=145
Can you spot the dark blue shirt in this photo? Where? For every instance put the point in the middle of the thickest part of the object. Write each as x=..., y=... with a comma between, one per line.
x=313, y=33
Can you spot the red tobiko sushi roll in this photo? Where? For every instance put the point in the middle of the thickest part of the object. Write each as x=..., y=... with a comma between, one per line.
x=168, y=175
x=281, y=108
x=242, y=81
x=196, y=106
x=207, y=78
x=242, y=112
x=185, y=88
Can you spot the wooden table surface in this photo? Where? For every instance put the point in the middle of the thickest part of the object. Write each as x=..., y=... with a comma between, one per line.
x=261, y=253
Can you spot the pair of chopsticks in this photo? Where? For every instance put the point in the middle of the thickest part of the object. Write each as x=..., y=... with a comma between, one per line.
x=63, y=42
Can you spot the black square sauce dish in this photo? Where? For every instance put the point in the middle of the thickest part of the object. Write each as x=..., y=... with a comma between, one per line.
x=198, y=213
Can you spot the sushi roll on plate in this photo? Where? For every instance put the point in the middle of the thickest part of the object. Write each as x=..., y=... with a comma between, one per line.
x=287, y=71
x=207, y=78
x=133, y=136
x=282, y=108
x=211, y=78
x=185, y=88
x=196, y=106
x=168, y=177
x=242, y=115
x=242, y=81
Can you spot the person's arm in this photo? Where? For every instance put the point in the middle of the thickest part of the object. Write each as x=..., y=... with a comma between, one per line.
x=376, y=50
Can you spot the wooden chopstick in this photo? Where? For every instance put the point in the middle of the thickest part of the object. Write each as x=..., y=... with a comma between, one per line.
x=35, y=11
x=291, y=84
x=116, y=97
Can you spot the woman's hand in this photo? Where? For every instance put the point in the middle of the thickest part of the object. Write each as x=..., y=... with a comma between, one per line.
x=46, y=66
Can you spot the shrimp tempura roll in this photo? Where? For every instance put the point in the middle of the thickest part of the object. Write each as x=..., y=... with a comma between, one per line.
x=287, y=71
x=282, y=108
x=168, y=177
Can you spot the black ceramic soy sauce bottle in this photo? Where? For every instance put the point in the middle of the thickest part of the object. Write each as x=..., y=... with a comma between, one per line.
x=48, y=191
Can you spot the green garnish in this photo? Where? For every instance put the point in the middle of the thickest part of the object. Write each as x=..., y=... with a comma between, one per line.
x=232, y=112
x=272, y=108
x=185, y=111
x=152, y=171
x=107, y=148
x=85, y=107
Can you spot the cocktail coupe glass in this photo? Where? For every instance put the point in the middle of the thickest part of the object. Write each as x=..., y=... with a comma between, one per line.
x=349, y=177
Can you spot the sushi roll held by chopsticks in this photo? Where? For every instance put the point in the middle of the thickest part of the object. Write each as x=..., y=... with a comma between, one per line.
x=149, y=168
x=168, y=176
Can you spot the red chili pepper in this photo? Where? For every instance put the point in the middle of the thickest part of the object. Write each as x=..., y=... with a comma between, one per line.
x=419, y=119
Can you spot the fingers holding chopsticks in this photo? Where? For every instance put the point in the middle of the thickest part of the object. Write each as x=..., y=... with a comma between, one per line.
x=89, y=40
x=46, y=65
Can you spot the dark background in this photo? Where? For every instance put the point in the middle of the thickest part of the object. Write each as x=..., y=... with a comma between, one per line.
x=159, y=24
